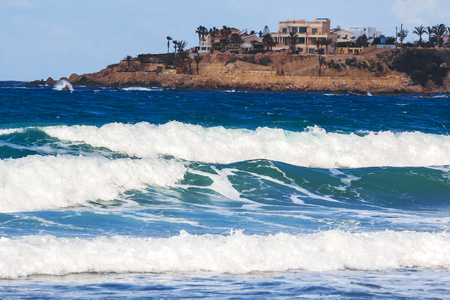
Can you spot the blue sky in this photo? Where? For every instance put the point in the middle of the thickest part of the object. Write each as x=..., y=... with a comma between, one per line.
x=42, y=38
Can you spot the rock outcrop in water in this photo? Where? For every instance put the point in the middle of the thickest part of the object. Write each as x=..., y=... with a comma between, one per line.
x=376, y=72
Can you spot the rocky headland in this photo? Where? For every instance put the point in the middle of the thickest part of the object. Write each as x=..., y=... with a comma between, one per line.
x=418, y=71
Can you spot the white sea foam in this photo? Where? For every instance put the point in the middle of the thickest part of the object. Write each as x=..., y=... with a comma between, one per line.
x=61, y=84
x=312, y=148
x=142, y=89
x=10, y=130
x=51, y=182
x=237, y=253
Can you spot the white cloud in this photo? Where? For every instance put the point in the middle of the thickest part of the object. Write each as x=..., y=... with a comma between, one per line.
x=421, y=12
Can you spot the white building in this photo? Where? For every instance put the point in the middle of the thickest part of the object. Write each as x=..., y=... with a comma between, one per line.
x=370, y=32
x=343, y=35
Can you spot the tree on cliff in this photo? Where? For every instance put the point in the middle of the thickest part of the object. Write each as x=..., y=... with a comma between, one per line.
x=419, y=30
x=201, y=31
x=197, y=60
x=225, y=32
x=236, y=41
x=403, y=33
x=321, y=63
x=181, y=45
x=175, y=45
x=439, y=30
x=429, y=30
x=293, y=41
x=128, y=60
x=318, y=43
x=362, y=41
x=326, y=43
x=268, y=41
x=169, y=38
x=212, y=33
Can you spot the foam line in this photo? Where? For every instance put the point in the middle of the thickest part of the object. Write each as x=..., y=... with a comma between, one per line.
x=237, y=253
x=51, y=182
x=312, y=148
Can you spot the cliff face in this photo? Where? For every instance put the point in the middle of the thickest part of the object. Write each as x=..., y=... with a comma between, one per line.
x=271, y=72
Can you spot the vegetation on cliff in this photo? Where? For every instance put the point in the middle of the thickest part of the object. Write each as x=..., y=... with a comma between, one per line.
x=391, y=71
x=421, y=65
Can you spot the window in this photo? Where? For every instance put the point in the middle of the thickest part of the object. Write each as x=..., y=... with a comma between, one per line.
x=315, y=30
x=302, y=30
x=321, y=51
x=294, y=29
x=313, y=41
x=284, y=30
x=312, y=51
x=301, y=40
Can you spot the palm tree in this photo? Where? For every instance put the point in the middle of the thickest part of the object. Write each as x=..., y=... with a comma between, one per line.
x=293, y=41
x=181, y=45
x=128, y=59
x=318, y=43
x=335, y=46
x=321, y=63
x=212, y=33
x=268, y=41
x=326, y=43
x=439, y=30
x=419, y=30
x=175, y=45
x=201, y=31
x=197, y=59
x=430, y=32
x=236, y=40
x=225, y=32
x=169, y=38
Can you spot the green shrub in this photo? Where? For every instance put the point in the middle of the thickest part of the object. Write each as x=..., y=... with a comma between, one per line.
x=265, y=60
x=422, y=65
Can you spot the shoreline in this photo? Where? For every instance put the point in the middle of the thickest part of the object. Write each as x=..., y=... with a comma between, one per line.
x=231, y=72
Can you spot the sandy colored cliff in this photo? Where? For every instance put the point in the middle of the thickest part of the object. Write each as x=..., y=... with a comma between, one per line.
x=265, y=72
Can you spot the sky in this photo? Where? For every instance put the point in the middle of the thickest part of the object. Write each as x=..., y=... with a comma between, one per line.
x=55, y=38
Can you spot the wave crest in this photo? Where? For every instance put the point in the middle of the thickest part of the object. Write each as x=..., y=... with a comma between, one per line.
x=51, y=182
x=237, y=253
x=312, y=148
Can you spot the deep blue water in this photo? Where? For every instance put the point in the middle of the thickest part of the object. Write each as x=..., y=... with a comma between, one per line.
x=156, y=193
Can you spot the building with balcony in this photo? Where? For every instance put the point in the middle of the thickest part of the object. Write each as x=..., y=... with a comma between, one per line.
x=307, y=33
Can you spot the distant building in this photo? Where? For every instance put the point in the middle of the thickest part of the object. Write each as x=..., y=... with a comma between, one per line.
x=343, y=35
x=207, y=43
x=307, y=32
x=370, y=32
x=446, y=40
x=251, y=41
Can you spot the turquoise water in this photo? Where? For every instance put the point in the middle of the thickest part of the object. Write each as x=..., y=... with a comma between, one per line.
x=147, y=192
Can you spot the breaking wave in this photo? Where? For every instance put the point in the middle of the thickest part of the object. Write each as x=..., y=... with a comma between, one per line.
x=51, y=182
x=236, y=253
x=313, y=147
x=62, y=85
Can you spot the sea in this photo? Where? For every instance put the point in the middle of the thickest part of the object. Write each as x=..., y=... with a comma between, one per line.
x=143, y=193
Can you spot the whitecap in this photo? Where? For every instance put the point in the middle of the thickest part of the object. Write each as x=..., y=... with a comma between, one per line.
x=314, y=147
x=236, y=253
x=62, y=85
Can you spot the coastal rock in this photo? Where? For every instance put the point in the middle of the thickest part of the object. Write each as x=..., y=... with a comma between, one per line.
x=50, y=81
x=261, y=72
